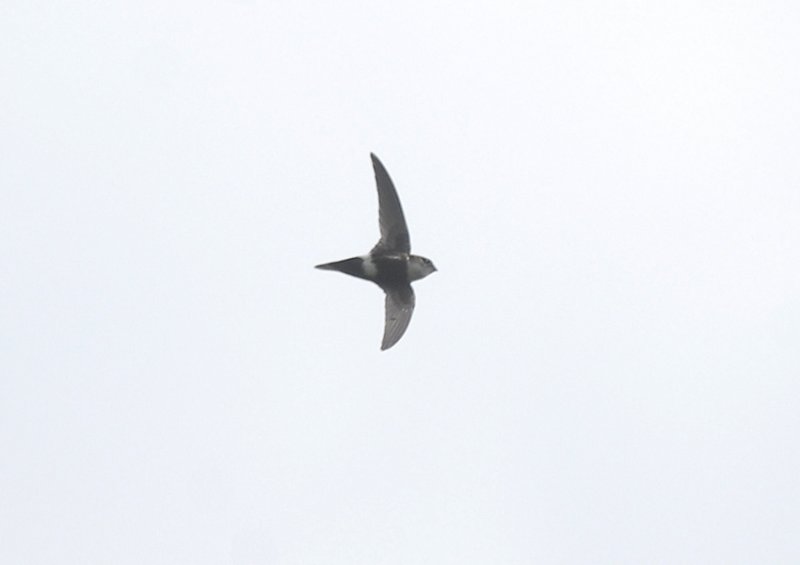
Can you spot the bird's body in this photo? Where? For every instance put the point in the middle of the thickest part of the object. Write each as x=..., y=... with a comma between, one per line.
x=390, y=264
x=383, y=270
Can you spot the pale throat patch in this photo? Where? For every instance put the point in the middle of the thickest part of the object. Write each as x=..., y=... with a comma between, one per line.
x=370, y=269
x=416, y=270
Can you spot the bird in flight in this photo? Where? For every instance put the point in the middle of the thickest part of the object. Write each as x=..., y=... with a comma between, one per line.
x=390, y=263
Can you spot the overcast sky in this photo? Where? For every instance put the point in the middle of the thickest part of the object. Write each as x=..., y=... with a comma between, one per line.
x=605, y=369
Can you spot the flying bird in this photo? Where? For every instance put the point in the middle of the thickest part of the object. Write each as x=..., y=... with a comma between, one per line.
x=390, y=263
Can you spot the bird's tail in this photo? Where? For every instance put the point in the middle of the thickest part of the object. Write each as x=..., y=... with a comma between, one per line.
x=334, y=266
x=352, y=266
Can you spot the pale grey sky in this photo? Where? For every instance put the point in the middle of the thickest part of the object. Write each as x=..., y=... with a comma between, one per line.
x=604, y=370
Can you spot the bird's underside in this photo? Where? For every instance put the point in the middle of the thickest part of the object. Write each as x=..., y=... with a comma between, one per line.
x=388, y=264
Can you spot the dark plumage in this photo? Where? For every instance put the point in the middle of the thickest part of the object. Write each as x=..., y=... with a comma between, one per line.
x=389, y=264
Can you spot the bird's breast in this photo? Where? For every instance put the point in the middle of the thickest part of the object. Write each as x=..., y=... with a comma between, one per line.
x=390, y=269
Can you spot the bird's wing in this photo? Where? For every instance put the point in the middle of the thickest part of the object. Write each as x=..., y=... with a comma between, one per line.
x=399, y=307
x=394, y=232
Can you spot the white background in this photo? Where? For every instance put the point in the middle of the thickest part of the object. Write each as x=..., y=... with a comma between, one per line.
x=605, y=369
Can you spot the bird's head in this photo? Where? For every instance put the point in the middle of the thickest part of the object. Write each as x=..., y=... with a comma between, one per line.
x=419, y=267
